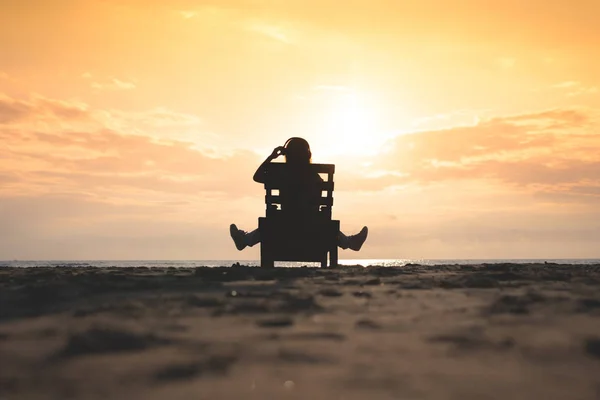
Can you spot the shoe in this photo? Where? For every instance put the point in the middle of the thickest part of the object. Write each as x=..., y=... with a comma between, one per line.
x=355, y=242
x=238, y=236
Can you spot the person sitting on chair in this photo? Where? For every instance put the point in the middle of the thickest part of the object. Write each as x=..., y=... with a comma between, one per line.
x=300, y=195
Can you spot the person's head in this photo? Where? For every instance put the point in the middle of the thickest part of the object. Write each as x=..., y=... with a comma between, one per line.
x=297, y=151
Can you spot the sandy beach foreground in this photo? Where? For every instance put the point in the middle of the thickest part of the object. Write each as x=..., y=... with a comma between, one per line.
x=495, y=331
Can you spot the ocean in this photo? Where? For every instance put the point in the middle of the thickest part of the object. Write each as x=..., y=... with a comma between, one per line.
x=219, y=263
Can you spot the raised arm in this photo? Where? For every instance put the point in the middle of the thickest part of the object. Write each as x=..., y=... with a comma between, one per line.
x=261, y=172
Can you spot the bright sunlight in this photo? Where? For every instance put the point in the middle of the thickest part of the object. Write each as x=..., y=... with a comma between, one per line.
x=352, y=125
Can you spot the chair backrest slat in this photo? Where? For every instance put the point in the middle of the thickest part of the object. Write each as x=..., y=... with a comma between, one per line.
x=276, y=199
x=325, y=186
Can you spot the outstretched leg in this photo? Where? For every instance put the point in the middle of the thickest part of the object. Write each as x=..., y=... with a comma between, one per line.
x=353, y=242
x=242, y=238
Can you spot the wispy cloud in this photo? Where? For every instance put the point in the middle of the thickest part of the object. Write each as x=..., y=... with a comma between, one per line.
x=454, y=118
x=40, y=108
x=274, y=32
x=187, y=14
x=576, y=88
x=112, y=85
x=566, y=85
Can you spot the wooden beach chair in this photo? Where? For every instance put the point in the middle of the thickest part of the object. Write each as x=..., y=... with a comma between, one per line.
x=311, y=238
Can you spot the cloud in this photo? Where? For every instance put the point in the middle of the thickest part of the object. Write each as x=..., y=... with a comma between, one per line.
x=113, y=85
x=158, y=117
x=187, y=14
x=566, y=84
x=119, y=166
x=576, y=88
x=39, y=108
x=106, y=161
x=274, y=32
x=555, y=151
x=159, y=123
x=494, y=138
x=51, y=115
x=443, y=120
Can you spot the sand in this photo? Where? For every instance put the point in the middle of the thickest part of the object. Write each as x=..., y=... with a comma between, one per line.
x=495, y=331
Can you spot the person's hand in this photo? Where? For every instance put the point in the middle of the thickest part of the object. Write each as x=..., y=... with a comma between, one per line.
x=277, y=152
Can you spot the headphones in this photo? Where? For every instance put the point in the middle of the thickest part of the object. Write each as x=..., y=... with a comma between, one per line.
x=287, y=142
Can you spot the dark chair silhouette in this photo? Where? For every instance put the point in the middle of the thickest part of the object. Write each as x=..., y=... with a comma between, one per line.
x=310, y=238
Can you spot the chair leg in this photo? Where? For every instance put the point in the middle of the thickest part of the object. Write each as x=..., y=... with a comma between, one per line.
x=333, y=257
x=266, y=257
x=267, y=263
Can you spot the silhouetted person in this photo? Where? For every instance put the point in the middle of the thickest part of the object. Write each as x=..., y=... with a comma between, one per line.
x=300, y=194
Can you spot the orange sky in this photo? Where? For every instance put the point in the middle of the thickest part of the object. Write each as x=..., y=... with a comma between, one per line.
x=131, y=129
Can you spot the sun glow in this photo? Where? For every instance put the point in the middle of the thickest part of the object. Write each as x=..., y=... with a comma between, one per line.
x=352, y=125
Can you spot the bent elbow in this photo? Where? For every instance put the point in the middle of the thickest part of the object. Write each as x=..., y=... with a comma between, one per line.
x=258, y=178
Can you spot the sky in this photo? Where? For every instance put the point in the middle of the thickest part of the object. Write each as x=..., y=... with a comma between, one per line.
x=131, y=129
